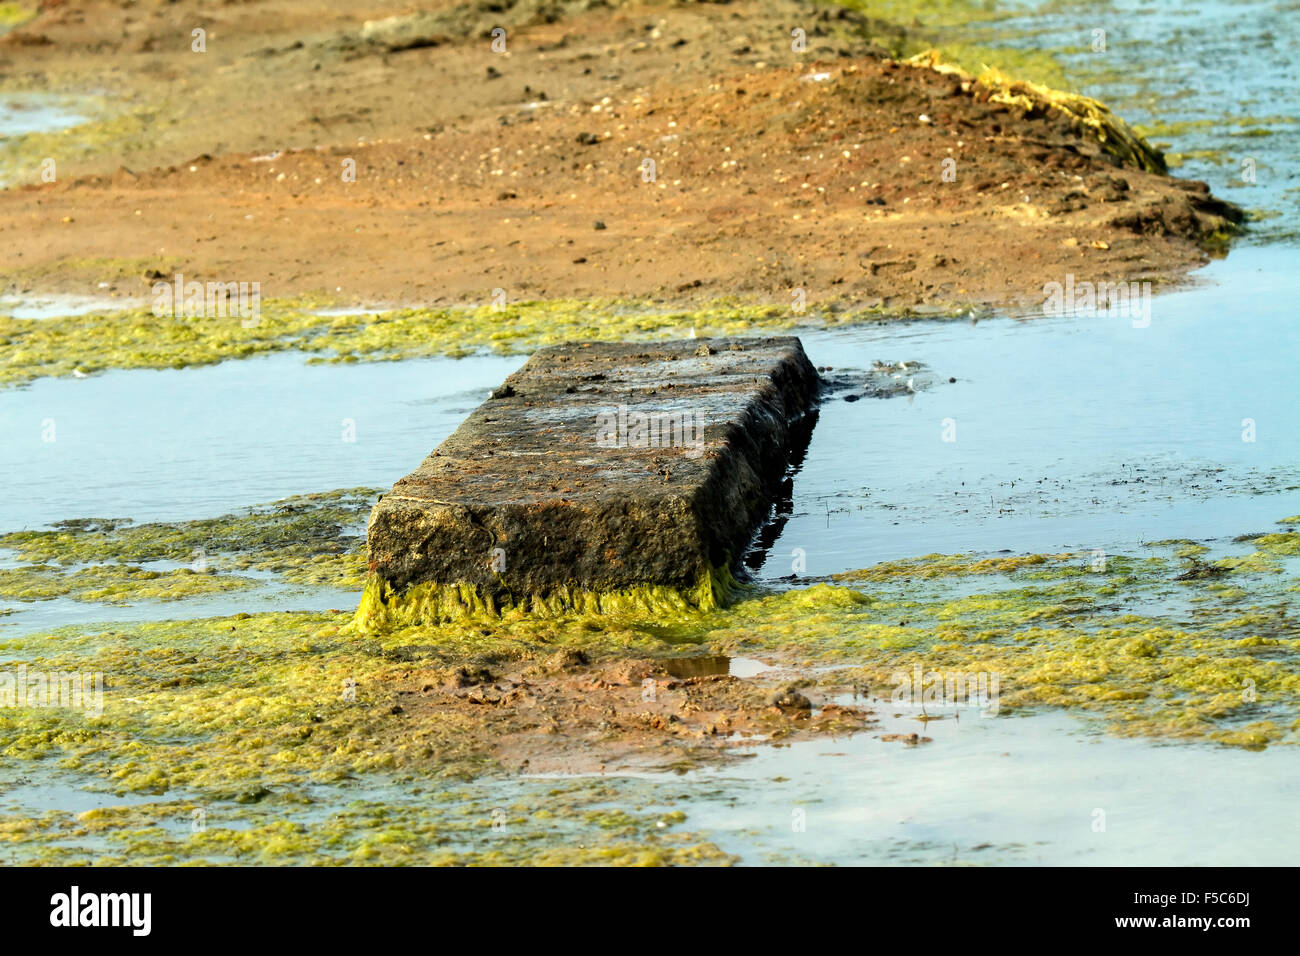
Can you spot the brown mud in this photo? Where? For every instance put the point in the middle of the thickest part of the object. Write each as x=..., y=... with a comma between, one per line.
x=563, y=715
x=523, y=171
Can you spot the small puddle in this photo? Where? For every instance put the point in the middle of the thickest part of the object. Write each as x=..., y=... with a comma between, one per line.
x=715, y=665
x=685, y=667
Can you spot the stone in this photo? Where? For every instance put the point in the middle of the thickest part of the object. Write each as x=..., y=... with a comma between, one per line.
x=600, y=476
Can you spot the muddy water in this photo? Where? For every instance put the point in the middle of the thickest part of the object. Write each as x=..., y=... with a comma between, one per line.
x=1070, y=433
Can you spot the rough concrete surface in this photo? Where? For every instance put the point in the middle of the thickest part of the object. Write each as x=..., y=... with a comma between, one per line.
x=602, y=467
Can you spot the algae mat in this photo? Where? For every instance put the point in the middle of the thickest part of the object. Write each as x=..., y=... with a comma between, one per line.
x=282, y=731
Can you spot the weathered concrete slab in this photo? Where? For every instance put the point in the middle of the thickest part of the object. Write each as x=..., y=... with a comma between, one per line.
x=599, y=475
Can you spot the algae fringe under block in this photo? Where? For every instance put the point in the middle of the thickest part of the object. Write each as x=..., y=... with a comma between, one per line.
x=600, y=477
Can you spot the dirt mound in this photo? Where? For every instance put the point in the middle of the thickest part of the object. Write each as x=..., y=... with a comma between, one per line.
x=677, y=153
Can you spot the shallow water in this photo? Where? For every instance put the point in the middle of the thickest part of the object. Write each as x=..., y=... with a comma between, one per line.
x=1002, y=791
x=878, y=483
x=200, y=442
x=1217, y=85
x=37, y=113
x=1070, y=433
x=58, y=305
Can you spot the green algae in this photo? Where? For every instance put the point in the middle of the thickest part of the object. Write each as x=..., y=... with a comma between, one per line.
x=1118, y=643
x=13, y=14
x=966, y=34
x=564, y=823
x=113, y=584
x=945, y=565
x=136, y=338
x=253, y=707
x=273, y=720
x=1280, y=545
x=1220, y=157
x=278, y=700
x=221, y=705
x=381, y=608
x=229, y=705
x=313, y=540
x=346, y=572
x=945, y=13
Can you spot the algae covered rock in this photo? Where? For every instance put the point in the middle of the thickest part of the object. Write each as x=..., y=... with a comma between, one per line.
x=601, y=476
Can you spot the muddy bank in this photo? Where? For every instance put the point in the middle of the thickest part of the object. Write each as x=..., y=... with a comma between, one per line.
x=857, y=179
